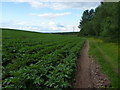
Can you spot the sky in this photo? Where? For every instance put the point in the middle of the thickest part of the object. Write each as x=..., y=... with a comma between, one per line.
x=44, y=15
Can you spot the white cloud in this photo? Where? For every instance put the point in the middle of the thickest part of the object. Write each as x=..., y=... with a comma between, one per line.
x=59, y=0
x=56, y=0
x=60, y=4
x=22, y=25
x=51, y=23
x=73, y=5
x=49, y=26
x=51, y=15
x=65, y=5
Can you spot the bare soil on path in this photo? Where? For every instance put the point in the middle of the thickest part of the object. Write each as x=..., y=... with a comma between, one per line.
x=88, y=74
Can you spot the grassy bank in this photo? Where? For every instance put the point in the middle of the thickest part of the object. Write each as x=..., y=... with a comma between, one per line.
x=107, y=56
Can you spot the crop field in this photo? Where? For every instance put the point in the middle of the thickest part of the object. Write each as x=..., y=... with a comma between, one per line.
x=38, y=60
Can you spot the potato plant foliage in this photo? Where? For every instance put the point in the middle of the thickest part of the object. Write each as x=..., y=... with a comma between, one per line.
x=33, y=60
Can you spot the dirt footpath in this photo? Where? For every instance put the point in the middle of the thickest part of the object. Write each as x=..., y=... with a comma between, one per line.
x=88, y=74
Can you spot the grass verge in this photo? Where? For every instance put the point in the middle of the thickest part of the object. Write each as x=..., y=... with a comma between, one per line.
x=106, y=55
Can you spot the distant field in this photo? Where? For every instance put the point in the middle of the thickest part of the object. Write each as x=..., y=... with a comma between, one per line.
x=38, y=60
x=107, y=56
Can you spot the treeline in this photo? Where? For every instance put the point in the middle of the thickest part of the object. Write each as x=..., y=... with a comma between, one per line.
x=101, y=22
x=67, y=33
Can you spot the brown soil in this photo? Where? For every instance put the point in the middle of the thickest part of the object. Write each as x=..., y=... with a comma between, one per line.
x=88, y=74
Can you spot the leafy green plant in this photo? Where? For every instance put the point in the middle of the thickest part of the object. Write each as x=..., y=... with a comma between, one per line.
x=38, y=61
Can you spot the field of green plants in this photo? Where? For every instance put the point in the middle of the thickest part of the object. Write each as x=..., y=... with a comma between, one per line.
x=33, y=60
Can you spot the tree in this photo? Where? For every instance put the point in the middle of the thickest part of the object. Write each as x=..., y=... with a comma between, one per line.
x=101, y=22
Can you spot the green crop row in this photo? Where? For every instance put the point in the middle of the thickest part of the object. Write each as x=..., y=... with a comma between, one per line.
x=27, y=59
x=38, y=61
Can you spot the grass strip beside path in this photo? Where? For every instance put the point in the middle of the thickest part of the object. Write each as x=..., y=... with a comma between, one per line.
x=107, y=56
